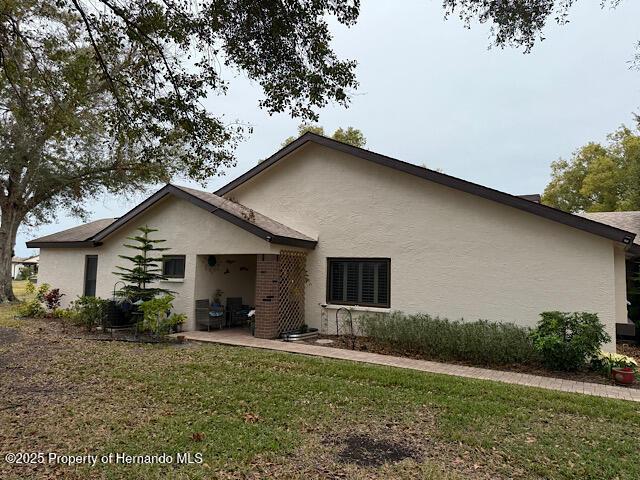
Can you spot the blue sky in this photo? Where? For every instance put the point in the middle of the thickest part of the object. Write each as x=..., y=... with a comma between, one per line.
x=431, y=92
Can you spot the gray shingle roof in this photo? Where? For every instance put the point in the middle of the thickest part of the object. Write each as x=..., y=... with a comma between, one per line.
x=251, y=216
x=81, y=233
x=629, y=221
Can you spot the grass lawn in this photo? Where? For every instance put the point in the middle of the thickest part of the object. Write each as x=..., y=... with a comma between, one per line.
x=7, y=312
x=260, y=414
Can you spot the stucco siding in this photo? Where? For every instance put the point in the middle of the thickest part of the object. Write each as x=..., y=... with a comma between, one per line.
x=187, y=229
x=452, y=254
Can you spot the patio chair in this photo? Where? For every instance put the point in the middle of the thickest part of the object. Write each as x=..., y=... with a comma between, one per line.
x=209, y=316
x=237, y=313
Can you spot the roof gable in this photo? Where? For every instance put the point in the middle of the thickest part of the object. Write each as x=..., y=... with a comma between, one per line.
x=525, y=203
x=92, y=234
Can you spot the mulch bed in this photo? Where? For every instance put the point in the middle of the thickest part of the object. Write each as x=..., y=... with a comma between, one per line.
x=77, y=332
x=630, y=350
x=364, y=344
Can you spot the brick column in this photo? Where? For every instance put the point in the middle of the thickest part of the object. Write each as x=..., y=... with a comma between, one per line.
x=267, y=296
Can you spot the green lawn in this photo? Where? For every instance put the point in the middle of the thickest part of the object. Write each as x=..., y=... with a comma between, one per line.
x=259, y=414
x=8, y=312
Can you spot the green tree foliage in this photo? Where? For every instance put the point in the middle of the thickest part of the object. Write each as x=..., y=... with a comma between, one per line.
x=349, y=135
x=514, y=23
x=145, y=270
x=598, y=177
x=108, y=96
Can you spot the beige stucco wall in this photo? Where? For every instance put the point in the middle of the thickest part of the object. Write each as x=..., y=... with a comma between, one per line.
x=452, y=254
x=187, y=229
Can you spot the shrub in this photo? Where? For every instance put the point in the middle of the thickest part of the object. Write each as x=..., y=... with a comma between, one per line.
x=52, y=299
x=89, y=311
x=176, y=319
x=566, y=340
x=30, y=288
x=156, y=318
x=604, y=362
x=481, y=342
x=42, y=291
x=63, y=313
x=31, y=309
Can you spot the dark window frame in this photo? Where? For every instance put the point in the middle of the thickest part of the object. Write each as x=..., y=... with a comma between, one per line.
x=174, y=257
x=331, y=260
x=95, y=281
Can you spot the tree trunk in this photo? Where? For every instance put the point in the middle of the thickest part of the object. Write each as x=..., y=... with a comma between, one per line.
x=8, y=230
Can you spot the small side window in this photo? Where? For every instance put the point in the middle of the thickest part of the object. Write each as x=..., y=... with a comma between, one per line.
x=173, y=266
x=90, y=275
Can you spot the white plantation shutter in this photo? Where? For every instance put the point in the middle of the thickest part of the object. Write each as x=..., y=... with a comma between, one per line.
x=358, y=281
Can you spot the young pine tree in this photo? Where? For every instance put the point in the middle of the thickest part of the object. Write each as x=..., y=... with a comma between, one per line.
x=145, y=270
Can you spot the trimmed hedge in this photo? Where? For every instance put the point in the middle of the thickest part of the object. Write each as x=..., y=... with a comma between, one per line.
x=480, y=342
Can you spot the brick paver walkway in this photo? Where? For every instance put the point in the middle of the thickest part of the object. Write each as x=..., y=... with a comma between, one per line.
x=242, y=338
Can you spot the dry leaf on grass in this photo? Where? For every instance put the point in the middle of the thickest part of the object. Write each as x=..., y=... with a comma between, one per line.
x=251, y=417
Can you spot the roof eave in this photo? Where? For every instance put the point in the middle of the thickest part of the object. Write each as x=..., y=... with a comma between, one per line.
x=138, y=209
x=63, y=244
x=294, y=242
x=283, y=152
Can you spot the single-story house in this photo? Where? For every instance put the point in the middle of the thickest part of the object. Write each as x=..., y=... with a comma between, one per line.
x=18, y=262
x=321, y=225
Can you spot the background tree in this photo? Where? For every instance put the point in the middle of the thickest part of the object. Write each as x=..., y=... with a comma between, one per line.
x=598, y=177
x=106, y=96
x=350, y=135
x=145, y=270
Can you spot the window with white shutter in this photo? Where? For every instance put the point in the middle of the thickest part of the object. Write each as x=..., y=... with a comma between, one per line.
x=358, y=281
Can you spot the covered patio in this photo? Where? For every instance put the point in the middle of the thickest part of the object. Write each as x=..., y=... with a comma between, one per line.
x=262, y=292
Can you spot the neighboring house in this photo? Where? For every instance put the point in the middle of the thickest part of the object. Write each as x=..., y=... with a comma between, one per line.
x=372, y=233
x=18, y=262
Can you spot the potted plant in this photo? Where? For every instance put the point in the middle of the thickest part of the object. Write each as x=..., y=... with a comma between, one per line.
x=621, y=368
x=623, y=375
x=217, y=297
